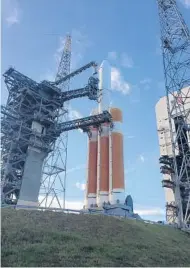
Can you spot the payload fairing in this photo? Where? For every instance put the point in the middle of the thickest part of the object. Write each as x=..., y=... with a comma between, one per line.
x=105, y=181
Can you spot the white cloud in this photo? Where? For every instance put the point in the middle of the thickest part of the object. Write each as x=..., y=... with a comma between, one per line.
x=150, y=212
x=118, y=82
x=74, y=205
x=11, y=12
x=77, y=204
x=79, y=45
x=81, y=186
x=59, y=50
x=130, y=137
x=112, y=55
x=129, y=170
x=70, y=170
x=186, y=3
x=146, y=81
x=49, y=75
x=126, y=61
x=74, y=114
x=141, y=158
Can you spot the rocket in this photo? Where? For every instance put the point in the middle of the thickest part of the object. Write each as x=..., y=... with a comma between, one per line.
x=103, y=136
x=105, y=176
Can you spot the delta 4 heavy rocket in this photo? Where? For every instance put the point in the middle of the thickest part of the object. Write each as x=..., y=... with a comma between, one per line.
x=105, y=179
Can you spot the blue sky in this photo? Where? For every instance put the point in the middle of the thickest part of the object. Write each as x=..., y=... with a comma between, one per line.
x=127, y=33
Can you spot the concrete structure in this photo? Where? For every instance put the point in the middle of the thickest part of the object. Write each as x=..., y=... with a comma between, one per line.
x=165, y=144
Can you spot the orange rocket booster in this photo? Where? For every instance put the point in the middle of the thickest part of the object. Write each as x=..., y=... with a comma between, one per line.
x=92, y=168
x=116, y=167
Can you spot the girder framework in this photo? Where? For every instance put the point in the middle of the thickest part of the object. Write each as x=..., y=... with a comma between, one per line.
x=52, y=192
x=175, y=39
x=31, y=119
x=55, y=166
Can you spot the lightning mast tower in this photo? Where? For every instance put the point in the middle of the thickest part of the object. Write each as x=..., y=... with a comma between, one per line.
x=175, y=39
x=55, y=171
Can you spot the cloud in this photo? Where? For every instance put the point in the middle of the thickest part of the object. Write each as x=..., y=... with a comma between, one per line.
x=49, y=75
x=74, y=205
x=74, y=114
x=112, y=55
x=118, y=82
x=146, y=83
x=11, y=12
x=79, y=44
x=141, y=158
x=150, y=211
x=77, y=204
x=81, y=186
x=129, y=170
x=126, y=61
x=130, y=137
x=70, y=170
x=186, y=3
x=59, y=50
x=123, y=59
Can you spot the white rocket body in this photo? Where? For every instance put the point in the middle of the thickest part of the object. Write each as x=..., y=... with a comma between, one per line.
x=104, y=85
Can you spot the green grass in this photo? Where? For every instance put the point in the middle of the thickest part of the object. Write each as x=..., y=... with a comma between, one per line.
x=35, y=238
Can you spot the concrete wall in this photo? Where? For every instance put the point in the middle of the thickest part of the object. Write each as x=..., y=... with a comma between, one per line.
x=31, y=178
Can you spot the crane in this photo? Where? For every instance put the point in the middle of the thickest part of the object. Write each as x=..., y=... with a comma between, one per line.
x=175, y=41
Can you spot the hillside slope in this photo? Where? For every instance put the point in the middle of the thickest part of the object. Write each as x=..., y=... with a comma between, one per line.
x=35, y=238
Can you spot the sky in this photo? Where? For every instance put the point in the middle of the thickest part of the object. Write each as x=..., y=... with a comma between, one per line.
x=126, y=32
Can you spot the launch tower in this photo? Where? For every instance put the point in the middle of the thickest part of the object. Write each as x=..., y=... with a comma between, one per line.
x=30, y=128
x=175, y=39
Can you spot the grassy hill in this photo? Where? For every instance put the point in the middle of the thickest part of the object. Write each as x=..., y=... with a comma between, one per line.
x=35, y=238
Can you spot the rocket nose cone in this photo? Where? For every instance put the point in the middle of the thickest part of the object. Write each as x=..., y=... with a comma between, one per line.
x=105, y=64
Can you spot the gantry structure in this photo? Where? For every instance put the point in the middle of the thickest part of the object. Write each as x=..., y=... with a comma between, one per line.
x=30, y=127
x=175, y=40
x=53, y=184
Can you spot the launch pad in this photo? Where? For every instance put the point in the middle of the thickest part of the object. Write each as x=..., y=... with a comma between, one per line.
x=124, y=210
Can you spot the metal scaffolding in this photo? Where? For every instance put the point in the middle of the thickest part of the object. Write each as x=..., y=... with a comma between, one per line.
x=29, y=131
x=53, y=184
x=175, y=40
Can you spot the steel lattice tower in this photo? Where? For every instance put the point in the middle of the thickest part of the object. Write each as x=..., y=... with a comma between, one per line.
x=33, y=120
x=54, y=179
x=175, y=39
